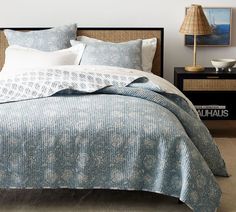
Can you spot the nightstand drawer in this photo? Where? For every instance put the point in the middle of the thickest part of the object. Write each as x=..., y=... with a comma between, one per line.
x=211, y=92
x=209, y=84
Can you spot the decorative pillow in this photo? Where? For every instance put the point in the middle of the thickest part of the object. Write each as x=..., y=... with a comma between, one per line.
x=125, y=55
x=45, y=40
x=148, y=50
x=19, y=58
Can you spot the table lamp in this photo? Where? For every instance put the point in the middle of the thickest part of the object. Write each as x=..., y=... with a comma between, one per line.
x=195, y=23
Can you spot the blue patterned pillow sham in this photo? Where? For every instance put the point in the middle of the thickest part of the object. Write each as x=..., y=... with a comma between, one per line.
x=125, y=55
x=45, y=40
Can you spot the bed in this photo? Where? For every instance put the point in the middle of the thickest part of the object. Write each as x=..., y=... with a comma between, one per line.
x=100, y=127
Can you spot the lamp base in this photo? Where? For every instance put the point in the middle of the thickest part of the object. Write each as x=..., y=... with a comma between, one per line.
x=194, y=68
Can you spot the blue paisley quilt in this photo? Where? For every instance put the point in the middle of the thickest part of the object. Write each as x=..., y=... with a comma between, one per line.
x=90, y=127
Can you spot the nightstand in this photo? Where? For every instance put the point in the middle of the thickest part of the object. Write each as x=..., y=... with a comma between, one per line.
x=212, y=93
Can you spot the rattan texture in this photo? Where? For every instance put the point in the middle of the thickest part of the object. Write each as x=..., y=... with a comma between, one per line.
x=195, y=22
x=113, y=35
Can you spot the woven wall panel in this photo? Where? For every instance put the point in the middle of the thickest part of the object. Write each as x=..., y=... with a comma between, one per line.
x=3, y=46
x=109, y=35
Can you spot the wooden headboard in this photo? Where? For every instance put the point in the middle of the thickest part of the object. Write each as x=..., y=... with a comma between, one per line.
x=108, y=34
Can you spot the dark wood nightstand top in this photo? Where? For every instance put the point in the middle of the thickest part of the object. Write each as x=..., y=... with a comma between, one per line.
x=207, y=71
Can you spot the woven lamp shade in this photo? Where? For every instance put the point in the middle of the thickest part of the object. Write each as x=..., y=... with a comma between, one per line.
x=195, y=22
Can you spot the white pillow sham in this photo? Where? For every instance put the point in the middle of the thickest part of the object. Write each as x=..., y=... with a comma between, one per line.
x=148, y=50
x=18, y=58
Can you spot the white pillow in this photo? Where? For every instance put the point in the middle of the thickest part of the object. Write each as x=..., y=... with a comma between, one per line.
x=148, y=50
x=18, y=58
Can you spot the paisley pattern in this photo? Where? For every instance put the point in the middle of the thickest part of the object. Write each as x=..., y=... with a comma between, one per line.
x=44, y=82
x=45, y=40
x=125, y=136
x=125, y=55
x=148, y=50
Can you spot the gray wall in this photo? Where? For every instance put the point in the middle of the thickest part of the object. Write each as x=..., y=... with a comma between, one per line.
x=158, y=13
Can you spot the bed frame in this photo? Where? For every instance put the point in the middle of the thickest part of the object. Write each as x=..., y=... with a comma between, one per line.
x=108, y=34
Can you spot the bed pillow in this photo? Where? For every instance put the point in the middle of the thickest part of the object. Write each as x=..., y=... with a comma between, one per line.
x=125, y=55
x=19, y=58
x=45, y=40
x=148, y=50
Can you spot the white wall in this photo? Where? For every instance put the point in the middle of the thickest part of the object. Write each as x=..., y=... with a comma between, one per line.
x=157, y=13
